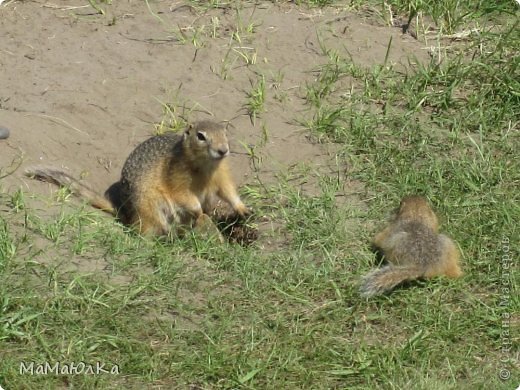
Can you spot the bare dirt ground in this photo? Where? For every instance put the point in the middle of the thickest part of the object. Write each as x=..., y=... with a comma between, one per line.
x=79, y=90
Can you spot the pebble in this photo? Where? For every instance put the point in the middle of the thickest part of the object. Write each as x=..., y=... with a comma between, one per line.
x=4, y=132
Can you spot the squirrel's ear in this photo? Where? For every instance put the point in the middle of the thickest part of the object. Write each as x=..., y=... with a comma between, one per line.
x=187, y=131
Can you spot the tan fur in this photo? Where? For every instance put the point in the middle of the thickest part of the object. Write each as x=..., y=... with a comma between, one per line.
x=413, y=247
x=168, y=179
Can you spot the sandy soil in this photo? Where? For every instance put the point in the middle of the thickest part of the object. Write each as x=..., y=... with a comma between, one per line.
x=80, y=90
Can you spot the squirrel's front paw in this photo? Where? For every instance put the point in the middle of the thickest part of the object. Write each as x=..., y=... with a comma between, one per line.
x=244, y=211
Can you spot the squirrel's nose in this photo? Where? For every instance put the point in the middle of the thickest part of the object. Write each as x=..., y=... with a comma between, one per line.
x=223, y=152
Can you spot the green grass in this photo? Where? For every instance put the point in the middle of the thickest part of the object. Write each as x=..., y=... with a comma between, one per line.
x=76, y=286
x=256, y=99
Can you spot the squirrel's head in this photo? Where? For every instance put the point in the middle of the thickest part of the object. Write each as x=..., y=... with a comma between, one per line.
x=206, y=140
x=417, y=208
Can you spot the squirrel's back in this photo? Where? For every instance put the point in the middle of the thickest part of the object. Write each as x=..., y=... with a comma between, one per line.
x=148, y=154
x=412, y=242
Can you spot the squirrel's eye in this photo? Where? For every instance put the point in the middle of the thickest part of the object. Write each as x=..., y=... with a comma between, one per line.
x=201, y=136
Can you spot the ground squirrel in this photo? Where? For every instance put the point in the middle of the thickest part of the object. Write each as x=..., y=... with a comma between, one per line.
x=413, y=248
x=168, y=179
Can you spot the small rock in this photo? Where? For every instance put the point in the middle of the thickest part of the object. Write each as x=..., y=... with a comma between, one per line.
x=4, y=132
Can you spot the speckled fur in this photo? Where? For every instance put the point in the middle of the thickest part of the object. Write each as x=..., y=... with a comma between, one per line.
x=413, y=248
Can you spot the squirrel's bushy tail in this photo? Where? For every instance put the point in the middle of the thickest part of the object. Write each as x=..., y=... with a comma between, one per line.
x=385, y=279
x=79, y=189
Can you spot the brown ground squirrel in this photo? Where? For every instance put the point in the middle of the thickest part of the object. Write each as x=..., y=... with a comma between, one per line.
x=168, y=179
x=413, y=248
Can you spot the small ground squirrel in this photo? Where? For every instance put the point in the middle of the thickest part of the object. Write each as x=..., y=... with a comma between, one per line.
x=413, y=248
x=168, y=179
